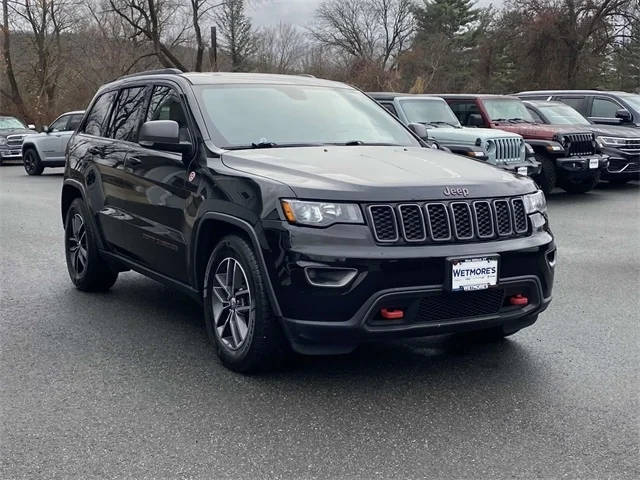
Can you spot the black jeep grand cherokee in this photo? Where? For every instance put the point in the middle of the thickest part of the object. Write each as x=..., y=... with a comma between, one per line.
x=300, y=213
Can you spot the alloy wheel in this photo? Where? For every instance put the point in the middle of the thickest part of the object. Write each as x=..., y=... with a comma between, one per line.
x=231, y=303
x=77, y=245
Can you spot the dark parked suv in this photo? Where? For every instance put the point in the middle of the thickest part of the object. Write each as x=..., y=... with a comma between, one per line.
x=300, y=214
x=602, y=107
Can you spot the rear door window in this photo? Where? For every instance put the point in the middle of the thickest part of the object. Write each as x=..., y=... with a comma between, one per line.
x=576, y=102
x=97, y=119
x=463, y=109
x=126, y=118
x=74, y=121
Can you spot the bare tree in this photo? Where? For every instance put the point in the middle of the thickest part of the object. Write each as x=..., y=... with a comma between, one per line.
x=13, y=94
x=279, y=49
x=373, y=30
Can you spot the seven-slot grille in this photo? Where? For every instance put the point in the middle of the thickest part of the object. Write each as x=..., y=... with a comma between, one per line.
x=15, y=141
x=509, y=150
x=580, y=144
x=437, y=222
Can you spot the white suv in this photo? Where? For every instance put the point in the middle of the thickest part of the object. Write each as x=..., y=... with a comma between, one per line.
x=47, y=149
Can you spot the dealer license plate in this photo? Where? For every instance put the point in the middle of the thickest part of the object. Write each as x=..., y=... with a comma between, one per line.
x=475, y=273
x=593, y=163
x=522, y=171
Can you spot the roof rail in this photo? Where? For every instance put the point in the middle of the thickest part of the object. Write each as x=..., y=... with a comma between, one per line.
x=161, y=71
x=308, y=75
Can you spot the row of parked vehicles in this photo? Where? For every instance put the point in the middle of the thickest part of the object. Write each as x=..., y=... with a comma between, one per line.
x=305, y=217
x=569, y=139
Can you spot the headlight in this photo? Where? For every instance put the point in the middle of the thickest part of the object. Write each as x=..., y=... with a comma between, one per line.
x=321, y=214
x=555, y=147
x=535, y=202
x=612, y=141
x=3, y=141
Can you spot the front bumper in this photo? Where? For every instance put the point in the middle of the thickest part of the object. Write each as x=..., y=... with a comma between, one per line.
x=10, y=154
x=529, y=167
x=319, y=320
x=620, y=165
x=582, y=167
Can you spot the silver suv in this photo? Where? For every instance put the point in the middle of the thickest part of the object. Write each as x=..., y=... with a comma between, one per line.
x=47, y=149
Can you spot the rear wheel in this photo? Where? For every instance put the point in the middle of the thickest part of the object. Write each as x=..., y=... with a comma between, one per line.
x=238, y=316
x=88, y=271
x=32, y=163
x=548, y=177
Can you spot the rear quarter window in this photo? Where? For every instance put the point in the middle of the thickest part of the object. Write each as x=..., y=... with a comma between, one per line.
x=96, y=123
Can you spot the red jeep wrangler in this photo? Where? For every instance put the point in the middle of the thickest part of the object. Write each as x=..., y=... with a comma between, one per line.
x=569, y=156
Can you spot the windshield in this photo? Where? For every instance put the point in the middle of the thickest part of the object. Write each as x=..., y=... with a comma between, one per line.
x=429, y=111
x=504, y=109
x=241, y=116
x=634, y=100
x=562, y=115
x=10, y=122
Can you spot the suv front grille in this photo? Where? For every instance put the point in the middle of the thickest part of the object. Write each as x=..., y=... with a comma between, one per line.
x=508, y=150
x=451, y=221
x=580, y=144
x=631, y=145
x=15, y=141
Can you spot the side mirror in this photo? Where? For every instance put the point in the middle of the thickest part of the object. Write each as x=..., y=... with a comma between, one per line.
x=45, y=128
x=31, y=126
x=624, y=115
x=475, y=120
x=419, y=129
x=162, y=135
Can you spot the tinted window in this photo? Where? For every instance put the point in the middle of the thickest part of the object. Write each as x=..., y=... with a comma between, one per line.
x=74, y=121
x=125, y=121
x=560, y=114
x=464, y=109
x=240, y=115
x=60, y=125
x=97, y=119
x=575, y=102
x=604, y=108
x=166, y=105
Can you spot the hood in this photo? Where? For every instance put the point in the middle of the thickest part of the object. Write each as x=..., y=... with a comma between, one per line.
x=467, y=135
x=375, y=173
x=15, y=131
x=612, y=131
x=538, y=131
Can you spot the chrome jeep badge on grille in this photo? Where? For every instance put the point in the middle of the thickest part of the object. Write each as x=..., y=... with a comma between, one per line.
x=456, y=191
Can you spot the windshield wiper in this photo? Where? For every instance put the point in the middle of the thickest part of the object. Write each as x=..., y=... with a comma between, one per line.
x=518, y=120
x=263, y=144
x=272, y=145
x=440, y=122
x=351, y=143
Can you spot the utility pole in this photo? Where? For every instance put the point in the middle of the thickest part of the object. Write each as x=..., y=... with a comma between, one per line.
x=213, y=51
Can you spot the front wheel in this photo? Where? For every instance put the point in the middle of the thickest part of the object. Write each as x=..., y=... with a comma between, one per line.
x=548, y=176
x=238, y=315
x=87, y=269
x=32, y=163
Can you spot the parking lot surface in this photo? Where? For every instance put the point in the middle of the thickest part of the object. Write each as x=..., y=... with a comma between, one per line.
x=125, y=384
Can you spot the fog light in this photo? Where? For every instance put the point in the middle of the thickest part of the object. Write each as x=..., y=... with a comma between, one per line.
x=330, y=277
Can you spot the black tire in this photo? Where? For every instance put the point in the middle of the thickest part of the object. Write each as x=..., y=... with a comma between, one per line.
x=87, y=270
x=32, y=163
x=582, y=186
x=548, y=177
x=263, y=346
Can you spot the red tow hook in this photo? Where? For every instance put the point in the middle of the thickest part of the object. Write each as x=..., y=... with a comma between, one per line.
x=391, y=313
x=519, y=299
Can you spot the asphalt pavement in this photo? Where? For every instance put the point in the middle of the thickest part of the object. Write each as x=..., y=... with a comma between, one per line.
x=125, y=385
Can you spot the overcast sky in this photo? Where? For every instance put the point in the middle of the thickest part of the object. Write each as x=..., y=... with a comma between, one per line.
x=297, y=12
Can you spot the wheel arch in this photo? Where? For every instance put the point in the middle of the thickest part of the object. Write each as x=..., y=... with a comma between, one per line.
x=30, y=144
x=212, y=227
